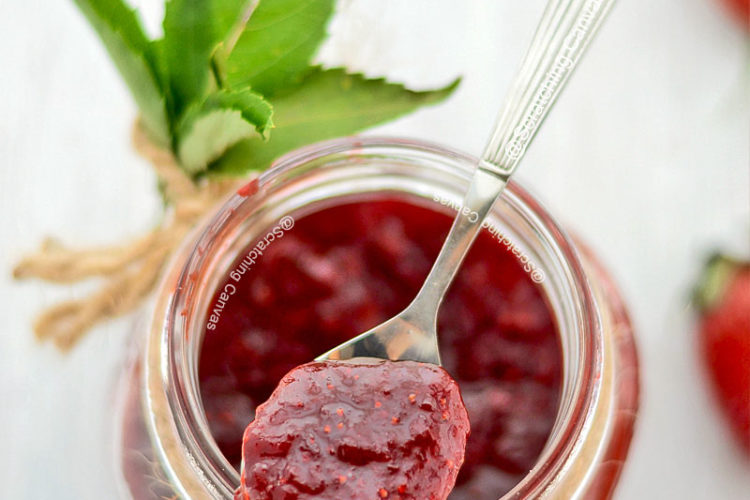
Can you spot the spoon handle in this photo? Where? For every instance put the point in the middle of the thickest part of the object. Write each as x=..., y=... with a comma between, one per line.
x=564, y=33
x=566, y=28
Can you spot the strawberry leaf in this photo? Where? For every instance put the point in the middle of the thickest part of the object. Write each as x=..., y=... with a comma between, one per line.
x=120, y=30
x=329, y=103
x=273, y=52
x=222, y=120
x=718, y=272
x=192, y=31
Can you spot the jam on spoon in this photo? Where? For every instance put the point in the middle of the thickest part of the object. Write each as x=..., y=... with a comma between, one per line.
x=365, y=429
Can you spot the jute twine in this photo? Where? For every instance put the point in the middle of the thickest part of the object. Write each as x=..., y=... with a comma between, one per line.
x=128, y=271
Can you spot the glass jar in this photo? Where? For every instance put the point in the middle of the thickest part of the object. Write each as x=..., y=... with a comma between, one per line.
x=166, y=449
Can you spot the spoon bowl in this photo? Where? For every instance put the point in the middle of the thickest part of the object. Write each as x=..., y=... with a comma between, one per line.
x=399, y=338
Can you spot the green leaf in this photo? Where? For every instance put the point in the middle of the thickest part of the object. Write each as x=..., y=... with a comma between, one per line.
x=273, y=52
x=192, y=31
x=225, y=118
x=330, y=103
x=162, y=75
x=254, y=108
x=120, y=30
x=227, y=14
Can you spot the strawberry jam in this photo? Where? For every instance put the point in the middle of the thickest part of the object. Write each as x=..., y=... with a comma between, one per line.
x=344, y=269
x=361, y=430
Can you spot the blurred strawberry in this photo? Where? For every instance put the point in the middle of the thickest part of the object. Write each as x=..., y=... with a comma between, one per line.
x=723, y=299
x=741, y=10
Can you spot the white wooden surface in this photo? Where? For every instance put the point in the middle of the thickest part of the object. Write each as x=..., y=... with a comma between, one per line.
x=646, y=156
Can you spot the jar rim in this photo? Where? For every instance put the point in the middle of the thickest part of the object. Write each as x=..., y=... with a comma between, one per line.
x=179, y=380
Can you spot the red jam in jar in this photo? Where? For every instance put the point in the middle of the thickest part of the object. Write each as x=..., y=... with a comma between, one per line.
x=347, y=267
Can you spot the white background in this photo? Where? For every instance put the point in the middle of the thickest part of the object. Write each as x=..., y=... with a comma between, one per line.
x=646, y=157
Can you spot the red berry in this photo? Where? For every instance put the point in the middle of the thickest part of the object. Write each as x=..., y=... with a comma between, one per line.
x=724, y=300
x=741, y=10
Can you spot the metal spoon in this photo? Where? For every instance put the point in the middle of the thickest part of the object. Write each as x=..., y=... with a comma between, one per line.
x=563, y=34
